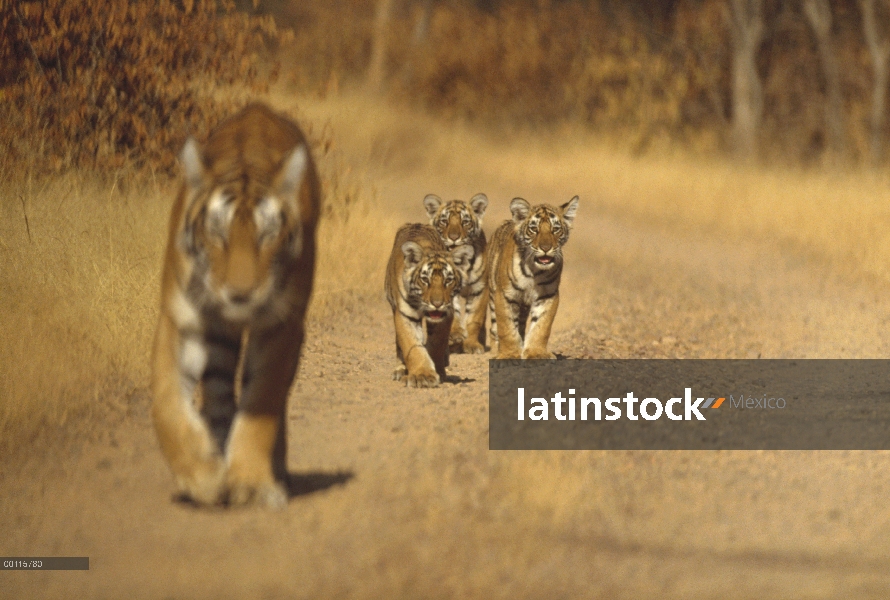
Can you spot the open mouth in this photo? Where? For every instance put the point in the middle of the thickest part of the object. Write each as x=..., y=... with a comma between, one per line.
x=436, y=315
x=544, y=260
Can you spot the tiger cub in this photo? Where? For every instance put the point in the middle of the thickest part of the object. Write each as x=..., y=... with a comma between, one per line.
x=525, y=266
x=460, y=224
x=240, y=258
x=422, y=278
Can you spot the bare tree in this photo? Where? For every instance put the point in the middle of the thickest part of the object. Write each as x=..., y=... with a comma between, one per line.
x=878, y=40
x=746, y=26
x=422, y=25
x=818, y=13
x=423, y=14
x=377, y=67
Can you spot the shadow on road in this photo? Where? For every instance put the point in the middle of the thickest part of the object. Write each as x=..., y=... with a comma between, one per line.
x=301, y=484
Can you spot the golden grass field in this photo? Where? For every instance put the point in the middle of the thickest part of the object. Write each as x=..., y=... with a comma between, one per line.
x=81, y=254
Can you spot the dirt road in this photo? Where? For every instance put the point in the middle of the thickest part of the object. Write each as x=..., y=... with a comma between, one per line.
x=396, y=495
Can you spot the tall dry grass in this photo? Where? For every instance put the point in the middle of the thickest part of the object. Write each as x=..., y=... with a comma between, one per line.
x=839, y=216
x=79, y=286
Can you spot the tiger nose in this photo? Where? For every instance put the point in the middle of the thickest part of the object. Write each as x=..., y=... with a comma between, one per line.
x=239, y=297
x=454, y=236
x=546, y=246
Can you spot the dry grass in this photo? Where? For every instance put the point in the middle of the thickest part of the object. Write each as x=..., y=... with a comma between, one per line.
x=79, y=293
x=840, y=216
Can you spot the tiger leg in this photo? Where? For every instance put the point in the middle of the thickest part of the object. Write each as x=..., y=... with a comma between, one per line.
x=400, y=372
x=218, y=383
x=509, y=338
x=420, y=370
x=437, y=344
x=178, y=362
x=493, y=329
x=540, y=321
x=458, y=335
x=257, y=449
x=476, y=309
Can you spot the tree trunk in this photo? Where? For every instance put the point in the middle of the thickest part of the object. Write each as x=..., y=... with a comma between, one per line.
x=879, y=48
x=423, y=12
x=818, y=13
x=379, y=36
x=422, y=25
x=746, y=26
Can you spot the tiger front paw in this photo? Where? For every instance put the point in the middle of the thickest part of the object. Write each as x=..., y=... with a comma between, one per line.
x=508, y=351
x=423, y=379
x=534, y=354
x=400, y=373
x=266, y=494
x=204, y=485
x=456, y=343
x=473, y=347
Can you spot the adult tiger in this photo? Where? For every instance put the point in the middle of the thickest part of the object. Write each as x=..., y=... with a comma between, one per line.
x=240, y=258
x=525, y=266
x=460, y=224
x=422, y=278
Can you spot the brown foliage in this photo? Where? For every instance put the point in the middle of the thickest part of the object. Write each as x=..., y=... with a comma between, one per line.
x=567, y=60
x=104, y=83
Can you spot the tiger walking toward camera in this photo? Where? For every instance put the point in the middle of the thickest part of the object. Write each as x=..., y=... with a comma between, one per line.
x=240, y=259
x=459, y=224
x=525, y=267
x=422, y=278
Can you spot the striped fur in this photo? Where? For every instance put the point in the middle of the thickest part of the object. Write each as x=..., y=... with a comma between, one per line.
x=236, y=280
x=525, y=259
x=459, y=224
x=422, y=278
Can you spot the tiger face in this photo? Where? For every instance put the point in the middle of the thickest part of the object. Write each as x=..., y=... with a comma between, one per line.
x=240, y=233
x=542, y=231
x=433, y=278
x=458, y=222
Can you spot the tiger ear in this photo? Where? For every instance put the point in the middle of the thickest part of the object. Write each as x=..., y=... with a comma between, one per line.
x=479, y=203
x=290, y=177
x=568, y=211
x=519, y=208
x=413, y=254
x=192, y=162
x=432, y=203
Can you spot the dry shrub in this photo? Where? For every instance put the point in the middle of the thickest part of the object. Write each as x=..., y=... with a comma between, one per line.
x=546, y=62
x=103, y=83
x=330, y=45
